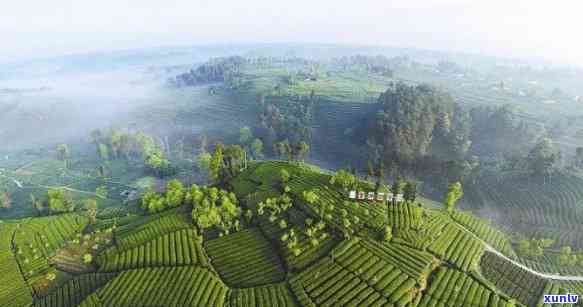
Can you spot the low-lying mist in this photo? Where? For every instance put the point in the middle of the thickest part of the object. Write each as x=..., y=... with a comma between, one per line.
x=48, y=110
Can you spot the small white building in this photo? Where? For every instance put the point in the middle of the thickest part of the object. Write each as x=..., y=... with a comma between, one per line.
x=399, y=198
x=380, y=196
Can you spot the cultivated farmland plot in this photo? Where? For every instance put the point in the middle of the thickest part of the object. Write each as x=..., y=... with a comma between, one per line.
x=178, y=248
x=353, y=276
x=550, y=210
x=513, y=280
x=13, y=288
x=177, y=286
x=274, y=295
x=245, y=259
x=454, y=288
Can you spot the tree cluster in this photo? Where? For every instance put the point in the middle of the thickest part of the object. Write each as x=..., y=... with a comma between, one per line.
x=117, y=145
x=498, y=131
x=285, y=117
x=533, y=248
x=566, y=257
x=372, y=64
x=59, y=200
x=5, y=200
x=226, y=162
x=291, y=152
x=216, y=70
x=454, y=193
x=214, y=208
x=418, y=121
x=250, y=143
x=343, y=179
x=174, y=196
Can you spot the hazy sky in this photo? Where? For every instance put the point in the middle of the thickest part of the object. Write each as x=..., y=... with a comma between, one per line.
x=550, y=28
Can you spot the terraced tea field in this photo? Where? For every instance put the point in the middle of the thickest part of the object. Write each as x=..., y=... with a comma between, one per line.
x=263, y=296
x=514, y=281
x=434, y=258
x=551, y=210
x=173, y=249
x=245, y=259
x=13, y=289
x=454, y=288
x=73, y=292
x=177, y=286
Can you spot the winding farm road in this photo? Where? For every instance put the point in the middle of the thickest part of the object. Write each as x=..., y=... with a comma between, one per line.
x=20, y=186
x=491, y=249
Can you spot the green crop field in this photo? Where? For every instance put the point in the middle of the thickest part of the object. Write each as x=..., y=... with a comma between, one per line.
x=13, y=287
x=73, y=292
x=272, y=295
x=143, y=230
x=454, y=288
x=514, y=281
x=38, y=239
x=486, y=232
x=245, y=259
x=172, y=249
x=178, y=286
x=434, y=258
x=550, y=210
x=353, y=276
x=458, y=247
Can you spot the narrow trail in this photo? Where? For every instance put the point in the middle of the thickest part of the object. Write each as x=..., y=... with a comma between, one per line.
x=21, y=186
x=71, y=190
x=491, y=249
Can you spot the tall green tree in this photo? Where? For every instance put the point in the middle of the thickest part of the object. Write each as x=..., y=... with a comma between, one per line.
x=245, y=136
x=217, y=162
x=303, y=150
x=233, y=160
x=543, y=157
x=37, y=205
x=159, y=164
x=343, y=179
x=410, y=191
x=60, y=200
x=284, y=176
x=103, y=152
x=204, y=162
x=5, y=200
x=175, y=193
x=64, y=153
x=257, y=149
x=454, y=193
x=91, y=207
x=311, y=197
x=397, y=186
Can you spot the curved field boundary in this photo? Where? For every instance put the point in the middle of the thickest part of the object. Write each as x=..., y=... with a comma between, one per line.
x=491, y=249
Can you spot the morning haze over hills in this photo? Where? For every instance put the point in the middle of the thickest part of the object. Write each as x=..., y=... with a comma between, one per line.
x=250, y=172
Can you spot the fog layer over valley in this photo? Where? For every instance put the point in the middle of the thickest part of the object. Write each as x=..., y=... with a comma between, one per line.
x=55, y=110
